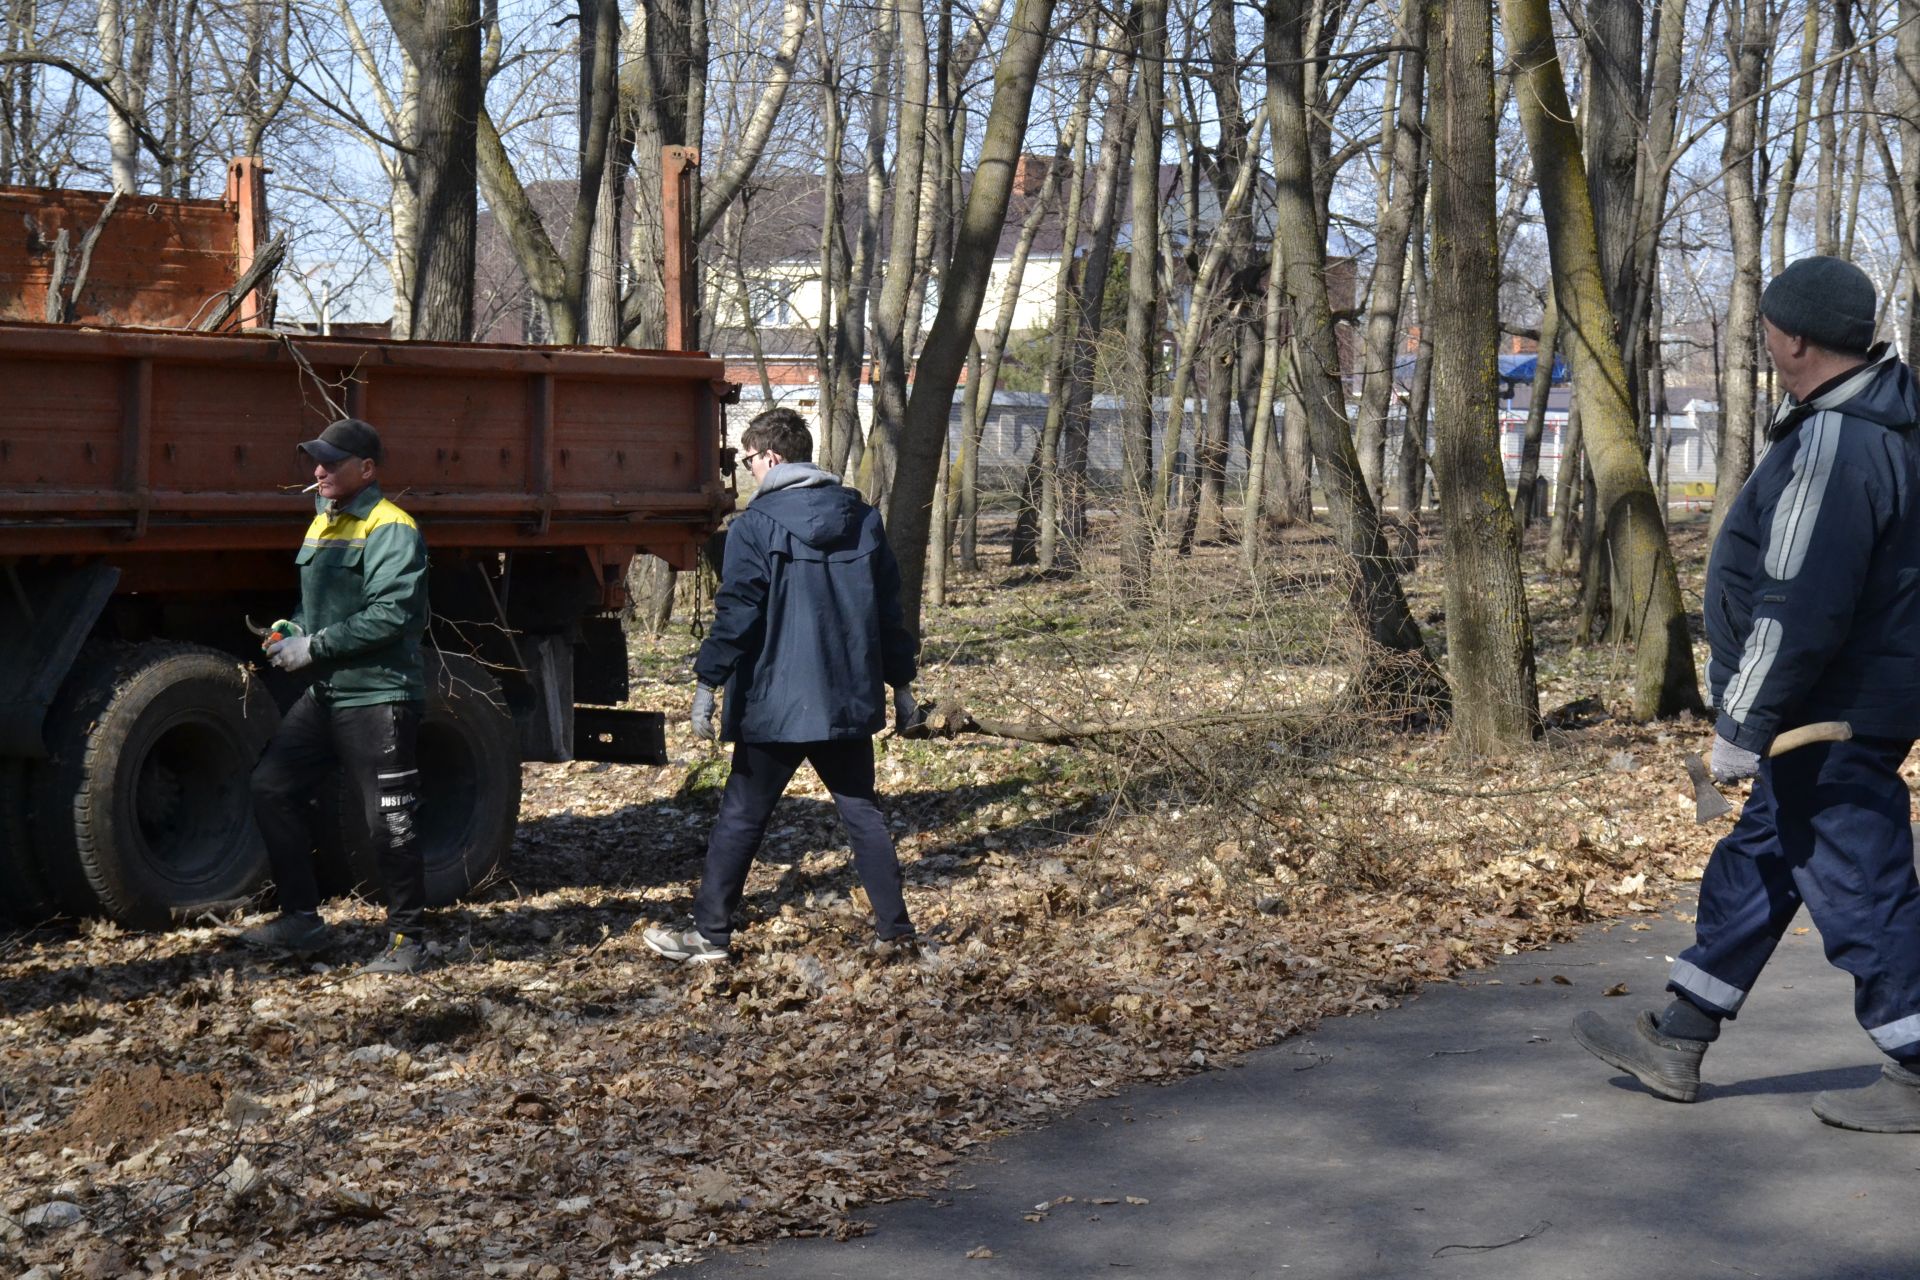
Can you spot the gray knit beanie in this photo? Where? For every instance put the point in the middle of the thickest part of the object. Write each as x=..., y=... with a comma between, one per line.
x=1827, y=301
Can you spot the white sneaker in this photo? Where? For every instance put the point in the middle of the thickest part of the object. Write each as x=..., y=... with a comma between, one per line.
x=688, y=945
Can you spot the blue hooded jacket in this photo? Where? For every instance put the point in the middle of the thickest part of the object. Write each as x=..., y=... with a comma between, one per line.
x=1813, y=589
x=807, y=622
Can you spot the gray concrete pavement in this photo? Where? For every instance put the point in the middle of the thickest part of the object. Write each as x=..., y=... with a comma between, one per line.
x=1406, y=1143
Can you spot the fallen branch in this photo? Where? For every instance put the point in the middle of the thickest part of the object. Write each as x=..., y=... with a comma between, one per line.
x=86, y=254
x=263, y=266
x=949, y=719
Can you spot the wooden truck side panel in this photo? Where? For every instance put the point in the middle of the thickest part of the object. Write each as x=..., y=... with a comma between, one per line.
x=153, y=261
x=132, y=442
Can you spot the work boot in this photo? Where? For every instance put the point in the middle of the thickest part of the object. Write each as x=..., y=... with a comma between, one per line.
x=404, y=954
x=299, y=933
x=1890, y=1104
x=1668, y=1066
x=685, y=945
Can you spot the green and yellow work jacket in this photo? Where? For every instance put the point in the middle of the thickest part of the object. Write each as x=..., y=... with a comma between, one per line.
x=363, y=599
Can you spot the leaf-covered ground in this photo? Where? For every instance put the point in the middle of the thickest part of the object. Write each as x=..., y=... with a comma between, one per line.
x=553, y=1100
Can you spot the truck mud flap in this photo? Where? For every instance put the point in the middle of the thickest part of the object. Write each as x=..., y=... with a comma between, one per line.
x=45, y=617
x=619, y=737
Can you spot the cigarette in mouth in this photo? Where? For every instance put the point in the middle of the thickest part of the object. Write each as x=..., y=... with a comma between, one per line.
x=310, y=488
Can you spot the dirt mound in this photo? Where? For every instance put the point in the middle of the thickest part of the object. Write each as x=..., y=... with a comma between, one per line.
x=137, y=1104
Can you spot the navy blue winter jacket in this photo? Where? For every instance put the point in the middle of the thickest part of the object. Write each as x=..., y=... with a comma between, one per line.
x=807, y=622
x=1813, y=588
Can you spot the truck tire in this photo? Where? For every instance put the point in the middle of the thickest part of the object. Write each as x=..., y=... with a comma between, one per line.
x=24, y=894
x=144, y=805
x=469, y=760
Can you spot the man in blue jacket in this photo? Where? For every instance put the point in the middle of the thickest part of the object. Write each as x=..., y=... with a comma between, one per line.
x=1813, y=613
x=807, y=628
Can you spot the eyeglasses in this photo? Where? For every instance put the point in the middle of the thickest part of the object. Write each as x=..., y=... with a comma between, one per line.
x=746, y=459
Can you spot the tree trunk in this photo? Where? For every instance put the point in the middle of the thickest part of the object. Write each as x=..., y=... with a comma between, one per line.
x=1379, y=603
x=923, y=443
x=1489, y=642
x=1536, y=429
x=1044, y=484
x=1087, y=316
x=743, y=152
x=443, y=41
x=1906, y=70
x=897, y=279
x=125, y=43
x=1797, y=143
x=594, y=237
x=1643, y=580
x=853, y=296
x=833, y=254
x=1141, y=355
x=1261, y=438
x=1611, y=128
x=1748, y=39
x=1403, y=189
x=980, y=389
x=1563, y=526
x=664, y=92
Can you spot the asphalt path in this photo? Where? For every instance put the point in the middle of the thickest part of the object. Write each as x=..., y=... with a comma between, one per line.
x=1464, y=1134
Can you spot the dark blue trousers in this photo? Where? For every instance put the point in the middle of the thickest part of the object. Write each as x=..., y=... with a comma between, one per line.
x=761, y=771
x=1827, y=825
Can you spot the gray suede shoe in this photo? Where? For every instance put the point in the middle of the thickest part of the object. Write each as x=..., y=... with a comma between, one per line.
x=1668, y=1066
x=1890, y=1104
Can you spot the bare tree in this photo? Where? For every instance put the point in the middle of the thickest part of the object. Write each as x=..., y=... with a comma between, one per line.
x=1406, y=667
x=1489, y=641
x=923, y=443
x=442, y=38
x=1402, y=195
x=1644, y=583
x=897, y=277
x=1749, y=37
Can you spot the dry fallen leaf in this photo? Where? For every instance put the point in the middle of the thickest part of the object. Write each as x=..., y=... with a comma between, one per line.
x=980, y=1251
x=1138, y=1200
x=452, y=1128
x=1617, y=989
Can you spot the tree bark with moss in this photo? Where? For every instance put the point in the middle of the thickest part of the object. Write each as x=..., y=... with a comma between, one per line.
x=1496, y=705
x=1640, y=561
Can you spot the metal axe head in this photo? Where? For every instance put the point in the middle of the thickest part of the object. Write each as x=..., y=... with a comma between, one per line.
x=1708, y=803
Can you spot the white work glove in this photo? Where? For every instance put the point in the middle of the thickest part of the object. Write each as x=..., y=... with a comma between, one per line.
x=292, y=654
x=1730, y=763
x=702, y=717
x=907, y=715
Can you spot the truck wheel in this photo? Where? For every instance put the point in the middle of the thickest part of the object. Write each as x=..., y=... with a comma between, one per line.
x=24, y=893
x=469, y=759
x=144, y=805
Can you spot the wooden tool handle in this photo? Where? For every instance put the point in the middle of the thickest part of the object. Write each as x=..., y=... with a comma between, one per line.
x=1825, y=731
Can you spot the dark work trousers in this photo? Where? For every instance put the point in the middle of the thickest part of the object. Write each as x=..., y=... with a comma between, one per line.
x=761, y=771
x=1827, y=825
x=374, y=750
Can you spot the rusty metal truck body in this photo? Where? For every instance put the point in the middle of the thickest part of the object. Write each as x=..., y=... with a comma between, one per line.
x=150, y=501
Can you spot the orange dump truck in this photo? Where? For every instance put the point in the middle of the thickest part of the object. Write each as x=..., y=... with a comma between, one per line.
x=150, y=501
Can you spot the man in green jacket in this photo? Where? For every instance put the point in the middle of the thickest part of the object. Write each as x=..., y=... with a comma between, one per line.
x=363, y=612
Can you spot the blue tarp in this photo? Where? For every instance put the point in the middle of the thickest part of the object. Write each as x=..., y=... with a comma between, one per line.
x=1522, y=368
x=1514, y=370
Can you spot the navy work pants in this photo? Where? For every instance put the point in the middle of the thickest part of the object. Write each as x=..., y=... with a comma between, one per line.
x=1827, y=825
x=761, y=771
x=373, y=747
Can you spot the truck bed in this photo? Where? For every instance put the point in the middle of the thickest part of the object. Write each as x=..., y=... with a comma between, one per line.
x=136, y=443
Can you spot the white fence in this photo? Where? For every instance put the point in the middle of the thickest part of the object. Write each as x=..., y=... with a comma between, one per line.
x=1013, y=425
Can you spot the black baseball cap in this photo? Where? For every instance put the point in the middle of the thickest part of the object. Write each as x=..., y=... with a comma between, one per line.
x=347, y=438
